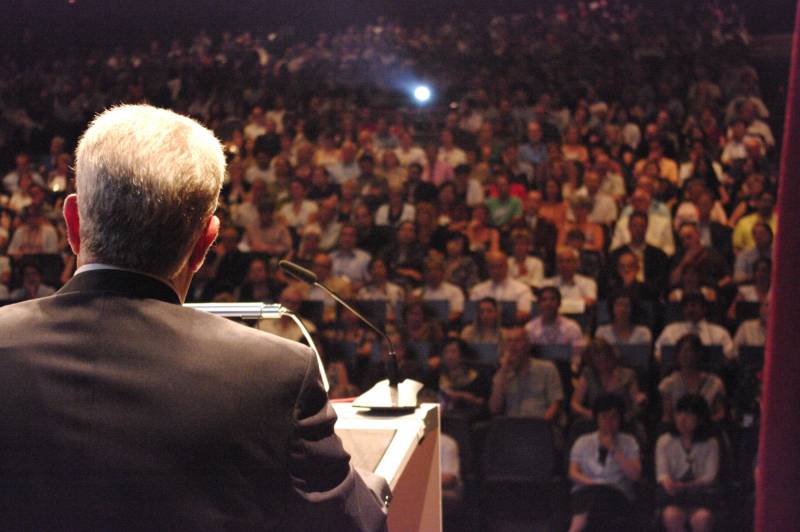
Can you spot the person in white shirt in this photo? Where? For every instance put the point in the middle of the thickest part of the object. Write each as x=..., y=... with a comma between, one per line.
x=346, y=168
x=298, y=212
x=437, y=289
x=604, y=208
x=549, y=328
x=572, y=285
x=395, y=210
x=35, y=236
x=448, y=152
x=659, y=226
x=752, y=333
x=408, y=152
x=521, y=265
x=693, y=306
x=501, y=287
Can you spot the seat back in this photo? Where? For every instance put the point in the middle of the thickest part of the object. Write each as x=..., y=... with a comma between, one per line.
x=519, y=450
x=554, y=352
x=485, y=352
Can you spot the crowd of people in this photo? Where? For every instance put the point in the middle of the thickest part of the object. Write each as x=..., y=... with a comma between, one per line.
x=594, y=183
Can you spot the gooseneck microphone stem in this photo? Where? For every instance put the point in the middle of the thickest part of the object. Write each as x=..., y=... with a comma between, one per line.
x=309, y=277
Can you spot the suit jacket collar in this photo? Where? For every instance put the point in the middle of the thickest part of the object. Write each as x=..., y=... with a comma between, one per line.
x=121, y=282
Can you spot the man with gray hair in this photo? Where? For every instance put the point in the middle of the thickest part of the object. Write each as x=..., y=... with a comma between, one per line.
x=123, y=410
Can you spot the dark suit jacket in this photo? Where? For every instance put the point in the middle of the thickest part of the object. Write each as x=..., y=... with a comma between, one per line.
x=656, y=267
x=122, y=410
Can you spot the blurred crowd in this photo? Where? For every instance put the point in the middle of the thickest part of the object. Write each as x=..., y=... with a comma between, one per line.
x=593, y=182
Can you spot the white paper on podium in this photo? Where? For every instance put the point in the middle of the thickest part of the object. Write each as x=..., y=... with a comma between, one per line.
x=384, y=396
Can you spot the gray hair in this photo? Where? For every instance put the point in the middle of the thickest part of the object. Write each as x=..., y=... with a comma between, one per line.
x=147, y=181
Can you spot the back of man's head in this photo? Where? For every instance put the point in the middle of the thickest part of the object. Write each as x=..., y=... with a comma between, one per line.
x=147, y=182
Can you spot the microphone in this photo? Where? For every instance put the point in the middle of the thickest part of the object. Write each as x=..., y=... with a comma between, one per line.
x=309, y=277
x=298, y=272
x=389, y=396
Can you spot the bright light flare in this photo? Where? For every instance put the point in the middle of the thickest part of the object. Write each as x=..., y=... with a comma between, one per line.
x=422, y=93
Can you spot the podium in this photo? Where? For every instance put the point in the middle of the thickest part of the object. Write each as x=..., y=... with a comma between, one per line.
x=405, y=451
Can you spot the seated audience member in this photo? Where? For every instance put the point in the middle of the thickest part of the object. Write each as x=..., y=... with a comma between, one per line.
x=459, y=269
x=431, y=235
x=461, y=388
x=603, y=374
x=603, y=467
x=545, y=234
x=687, y=463
x=746, y=260
x=452, y=488
x=321, y=186
x=550, y=328
x=623, y=330
x=285, y=327
x=482, y=237
x=486, y=327
x=436, y=288
x=593, y=233
x=351, y=331
x=553, y=207
x=405, y=257
x=658, y=227
x=408, y=364
x=371, y=238
x=245, y=214
x=627, y=269
x=258, y=284
x=36, y=235
x=416, y=190
x=268, y=235
x=349, y=261
x=503, y=208
x=32, y=286
x=326, y=219
x=756, y=291
x=707, y=261
x=420, y=325
x=752, y=333
x=226, y=266
x=379, y=288
x=298, y=211
x=713, y=214
x=396, y=210
x=571, y=285
x=308, y=248
x=502, y=288
x=523, y=266
x=469, y=190
x=653, y=263
x=689, y=283
x=604, y=209
x=689, y=379
x=322, y=266
x=765, y=213
x=693, y=306
x=524, y=386
x=336, y=370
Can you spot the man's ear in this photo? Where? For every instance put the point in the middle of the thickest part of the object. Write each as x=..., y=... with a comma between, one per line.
x=201, y=247
x=73, y=223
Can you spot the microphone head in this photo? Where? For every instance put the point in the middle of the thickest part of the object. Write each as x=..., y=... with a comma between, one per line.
x=298, y=272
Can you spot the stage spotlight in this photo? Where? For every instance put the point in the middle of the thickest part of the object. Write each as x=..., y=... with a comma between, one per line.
x=422, y=93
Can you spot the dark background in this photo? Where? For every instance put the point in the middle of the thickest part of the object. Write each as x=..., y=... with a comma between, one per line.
x=136, y=21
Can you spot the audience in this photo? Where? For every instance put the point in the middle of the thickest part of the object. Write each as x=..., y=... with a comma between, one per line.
x=576, y=176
